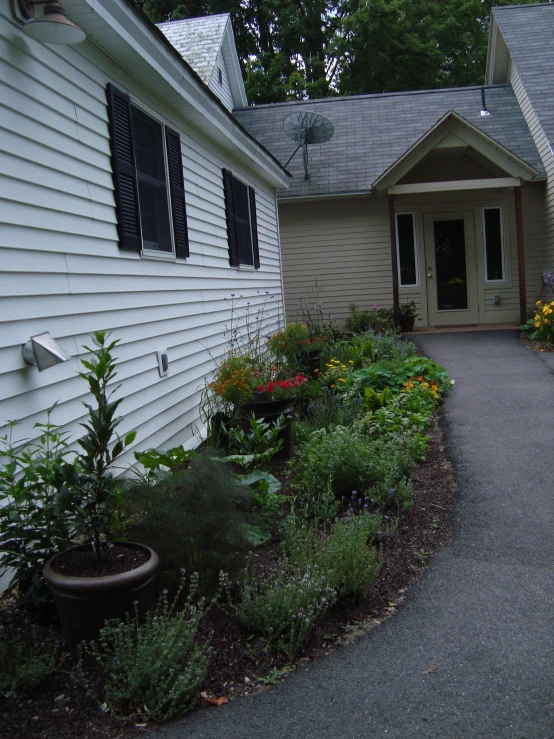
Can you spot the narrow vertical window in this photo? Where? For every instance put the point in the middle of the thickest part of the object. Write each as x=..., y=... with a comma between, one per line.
x=406, y=243
x=494, y=247
x=152, y=182
x=220, y=75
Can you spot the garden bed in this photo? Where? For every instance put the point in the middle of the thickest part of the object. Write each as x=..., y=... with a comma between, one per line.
x=62, y=709
x=266, y=563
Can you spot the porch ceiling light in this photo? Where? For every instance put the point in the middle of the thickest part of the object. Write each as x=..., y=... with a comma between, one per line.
x=53, y=27
x=43, y=351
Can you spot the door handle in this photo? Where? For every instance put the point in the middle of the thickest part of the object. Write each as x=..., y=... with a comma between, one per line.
x=429, y=274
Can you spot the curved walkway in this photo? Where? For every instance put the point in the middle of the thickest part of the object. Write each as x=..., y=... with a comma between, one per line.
x=484, y=611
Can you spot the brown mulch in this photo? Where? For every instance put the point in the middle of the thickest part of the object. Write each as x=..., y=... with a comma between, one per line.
x=83, y=562
x=239, y=663
x=61, y=708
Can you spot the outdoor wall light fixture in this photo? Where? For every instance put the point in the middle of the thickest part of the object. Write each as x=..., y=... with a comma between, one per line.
x=43, y=351
x=53, y=27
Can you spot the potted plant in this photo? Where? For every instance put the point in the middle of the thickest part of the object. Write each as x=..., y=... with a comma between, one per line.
x=102, y=577
x=407, y=316
x=255, y=387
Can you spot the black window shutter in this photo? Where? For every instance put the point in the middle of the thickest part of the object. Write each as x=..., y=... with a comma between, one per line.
x=254, y=225
x=177, y=189
x=124, y=170
x=231, y=220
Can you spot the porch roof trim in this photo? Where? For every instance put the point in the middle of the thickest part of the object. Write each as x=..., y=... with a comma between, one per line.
x=448, y=185
x=475, y=138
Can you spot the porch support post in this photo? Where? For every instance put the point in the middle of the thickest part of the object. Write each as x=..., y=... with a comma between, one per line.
x=394, y=260
x=520, y=256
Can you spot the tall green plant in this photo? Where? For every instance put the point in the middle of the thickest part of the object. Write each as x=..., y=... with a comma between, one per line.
x=91, y=491
x=32, y=528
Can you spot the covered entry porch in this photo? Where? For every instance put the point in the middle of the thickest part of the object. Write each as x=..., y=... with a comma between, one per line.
x=457, y=229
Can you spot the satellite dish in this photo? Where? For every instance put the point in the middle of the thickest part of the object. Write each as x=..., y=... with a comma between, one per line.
x=306, y=128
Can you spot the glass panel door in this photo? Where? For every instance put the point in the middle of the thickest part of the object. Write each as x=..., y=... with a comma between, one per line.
x=450, y=264
x=451, y=268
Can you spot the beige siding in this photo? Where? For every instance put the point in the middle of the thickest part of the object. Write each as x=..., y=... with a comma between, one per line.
x=547, y=156
x=337, y=249
x=60, y=266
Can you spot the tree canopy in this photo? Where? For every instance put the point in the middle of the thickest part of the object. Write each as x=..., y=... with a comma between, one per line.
x=297, y=49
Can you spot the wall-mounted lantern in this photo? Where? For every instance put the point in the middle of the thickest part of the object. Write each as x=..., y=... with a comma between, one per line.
x=53, y=26
x=43, y=351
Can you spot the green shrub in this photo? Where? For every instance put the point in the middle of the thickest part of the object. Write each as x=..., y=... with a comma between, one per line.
x=31, y=527
x=349, y=458
x=28, y=655
x=195, y=519
x=321, y=503
x=388, y=345
x=376, y=320
x=396, y=373
x=285, y=609
x=254, y=441
x=342, y=554
x=157, y=665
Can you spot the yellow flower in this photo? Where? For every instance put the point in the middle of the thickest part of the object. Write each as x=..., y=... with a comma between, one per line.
x=341, y=380
x=351, y=361
x=538, y=302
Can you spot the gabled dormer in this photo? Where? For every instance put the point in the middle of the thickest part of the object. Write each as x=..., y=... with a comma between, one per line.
x=208, y=45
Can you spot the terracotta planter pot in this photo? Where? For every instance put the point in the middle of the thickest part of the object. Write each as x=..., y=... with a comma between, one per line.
x=84, y=603
x=269, y=411
x=407, y=323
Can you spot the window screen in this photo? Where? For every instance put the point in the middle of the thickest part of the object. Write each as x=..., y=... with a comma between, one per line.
x=494, y=254
x=242, y=215
x=152, y=182
x=405, y=236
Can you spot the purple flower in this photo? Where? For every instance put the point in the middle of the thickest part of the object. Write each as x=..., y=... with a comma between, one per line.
x=392, y=491
x=366, y=506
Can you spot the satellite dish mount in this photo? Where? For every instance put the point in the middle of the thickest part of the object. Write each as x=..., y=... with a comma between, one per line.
x=306, y=128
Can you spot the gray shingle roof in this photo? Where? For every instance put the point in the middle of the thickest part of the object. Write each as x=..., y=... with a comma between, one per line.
x=198, y=40
x=373, y=131
x=528, y=31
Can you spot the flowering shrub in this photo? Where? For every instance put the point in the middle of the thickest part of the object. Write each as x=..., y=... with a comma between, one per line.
x=432, y=387
x=275, y=389
x=157, y=665
x=235, y=379
x=336, y=372
x=344, y=557
x=284, y=609
x=541, y=326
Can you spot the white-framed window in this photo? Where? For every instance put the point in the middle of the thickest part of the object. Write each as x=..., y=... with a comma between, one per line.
x=406, y=249
x=147, y=169
x=153, y=184
x=242, y=223
x=493, y=244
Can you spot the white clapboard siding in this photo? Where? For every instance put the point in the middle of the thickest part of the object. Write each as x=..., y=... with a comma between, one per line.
x=60, y=266
x=547, y=156
x=221, y=89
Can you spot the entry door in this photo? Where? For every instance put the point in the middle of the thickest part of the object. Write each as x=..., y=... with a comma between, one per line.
x=451, y=269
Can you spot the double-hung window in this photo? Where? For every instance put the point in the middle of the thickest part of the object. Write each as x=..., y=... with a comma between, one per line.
x=242, y=224
x=148, y=180
x=494, y=244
